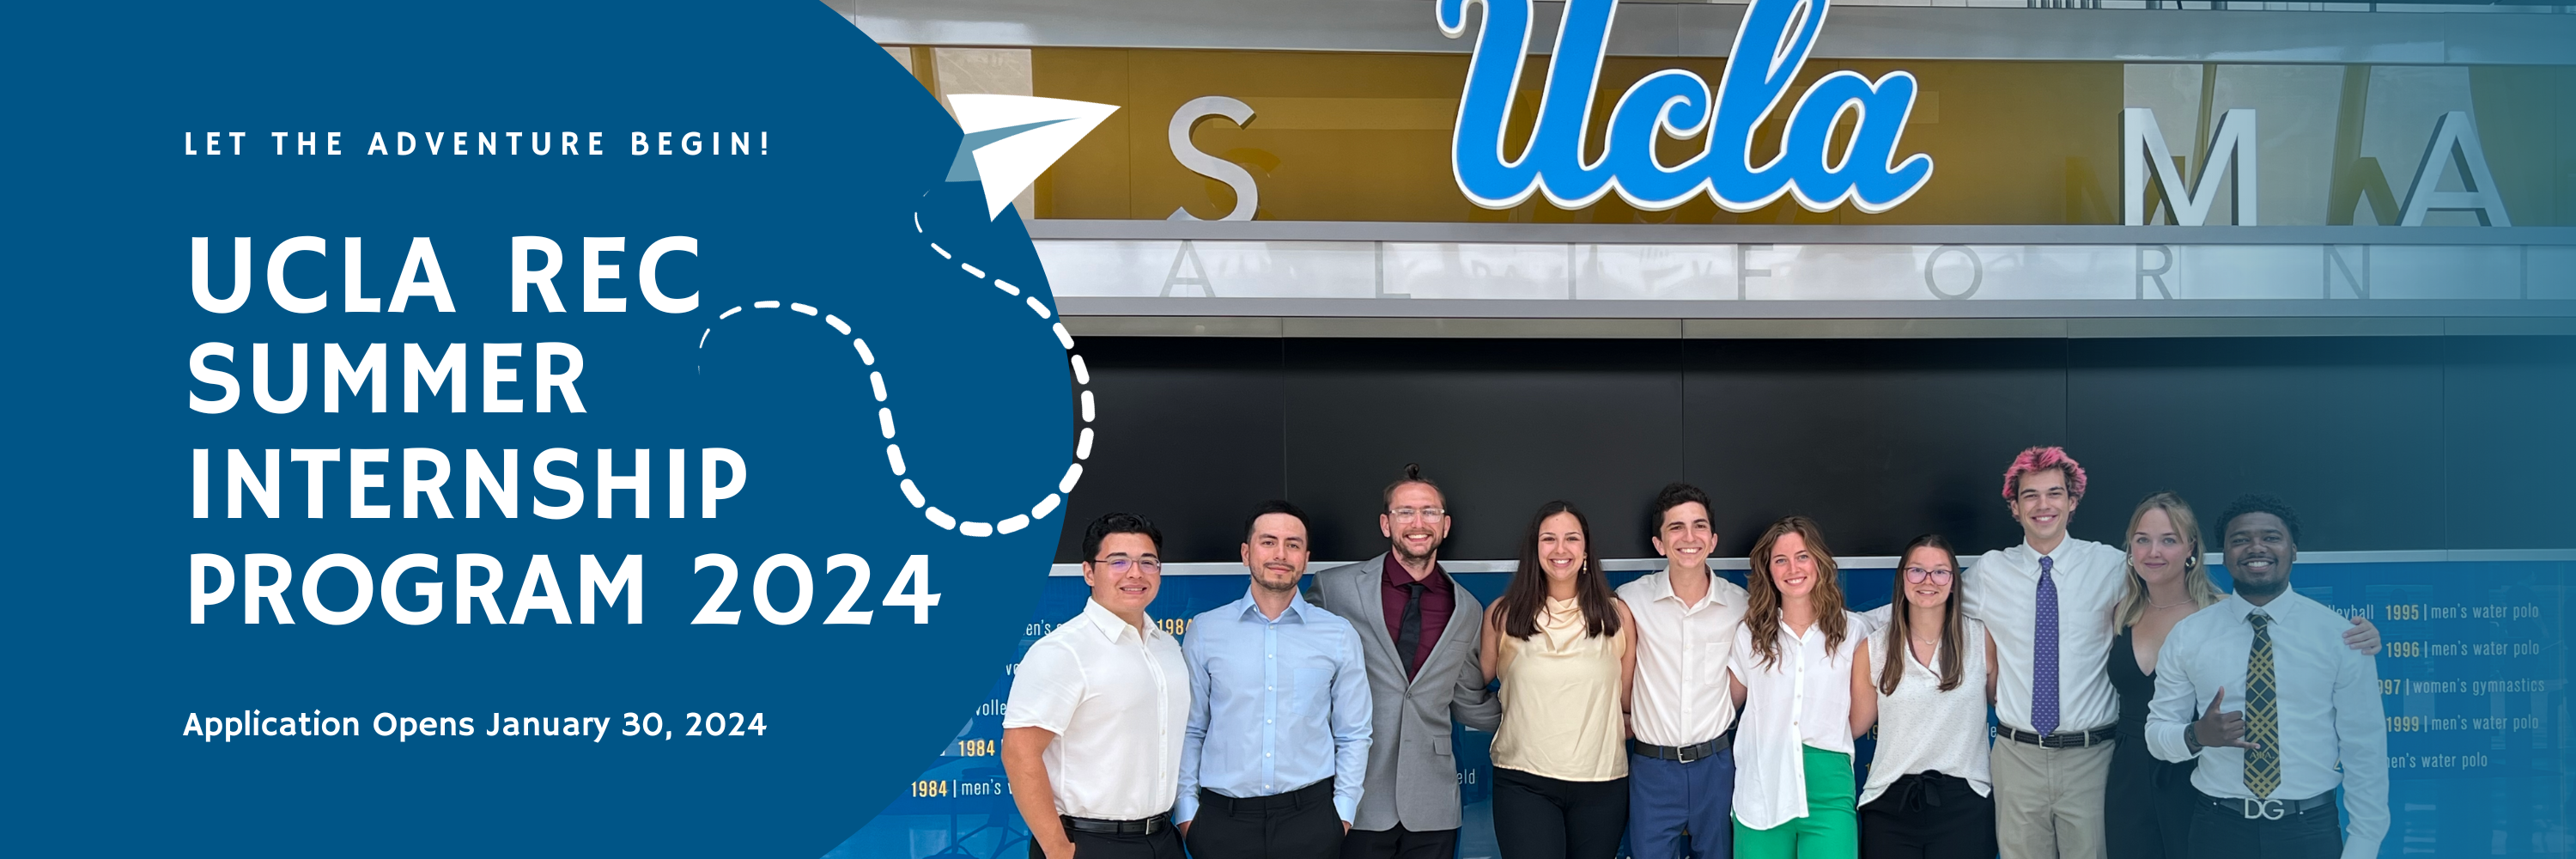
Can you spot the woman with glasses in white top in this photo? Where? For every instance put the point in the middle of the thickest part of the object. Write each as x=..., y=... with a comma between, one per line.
x=1791, y=668
x=1926, y=678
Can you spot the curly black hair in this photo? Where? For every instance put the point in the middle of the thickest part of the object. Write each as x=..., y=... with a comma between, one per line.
x=2256, y=502
x=1674, y=494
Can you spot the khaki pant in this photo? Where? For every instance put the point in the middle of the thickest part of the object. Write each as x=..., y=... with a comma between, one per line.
x=2048, y=802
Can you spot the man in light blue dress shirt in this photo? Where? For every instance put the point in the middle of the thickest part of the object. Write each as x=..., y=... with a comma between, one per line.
x=1278, y=736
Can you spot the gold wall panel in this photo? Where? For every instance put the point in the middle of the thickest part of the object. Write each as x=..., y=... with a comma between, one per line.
x=1365, y=137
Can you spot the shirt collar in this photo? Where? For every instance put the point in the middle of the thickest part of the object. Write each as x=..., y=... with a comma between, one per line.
x=1662, y=585
x=2239, y=608
x=1397, y=576
x=1110, y=626
x=2034, y=552
x=1296, y=612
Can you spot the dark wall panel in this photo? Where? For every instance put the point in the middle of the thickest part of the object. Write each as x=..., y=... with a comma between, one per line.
x=1877, y=440
x=2383, y=443
x=2509, y=426
x=1503, y=425
x=1189, y=436
x=2347, y=430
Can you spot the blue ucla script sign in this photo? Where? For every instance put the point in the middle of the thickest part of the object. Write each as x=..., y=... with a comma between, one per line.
x=1770, y=46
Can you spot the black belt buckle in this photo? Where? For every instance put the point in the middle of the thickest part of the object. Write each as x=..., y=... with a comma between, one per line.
x=2263, y=809
x=1683, y=754
x=1147, y=826
x=2065, y=739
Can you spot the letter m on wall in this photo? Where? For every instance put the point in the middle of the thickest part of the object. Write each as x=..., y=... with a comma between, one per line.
x=2143, y=154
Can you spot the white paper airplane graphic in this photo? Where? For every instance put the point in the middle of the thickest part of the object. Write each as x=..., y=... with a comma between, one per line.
x=1010, y=139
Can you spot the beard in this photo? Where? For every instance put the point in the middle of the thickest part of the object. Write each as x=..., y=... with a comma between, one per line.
x=1407, y=557
x=2262, y=590
x=1289, y=585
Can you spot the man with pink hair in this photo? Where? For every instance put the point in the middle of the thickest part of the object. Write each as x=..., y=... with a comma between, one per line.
x=2052, y=603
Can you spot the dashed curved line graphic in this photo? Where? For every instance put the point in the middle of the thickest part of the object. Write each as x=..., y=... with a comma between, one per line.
x=885, y=413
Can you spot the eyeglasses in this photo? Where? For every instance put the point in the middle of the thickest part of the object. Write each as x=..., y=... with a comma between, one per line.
x=1408, y=514
x=1919, y=574
x=1120, y=565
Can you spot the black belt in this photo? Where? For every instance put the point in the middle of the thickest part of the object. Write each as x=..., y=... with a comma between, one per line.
x=2269, y=809
x=1321, y=791
x=1684, y=754
x=2061, y=739
x=1147, y=826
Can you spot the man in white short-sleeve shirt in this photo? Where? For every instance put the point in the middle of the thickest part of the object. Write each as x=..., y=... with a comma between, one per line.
x=1092, y=735
x=1681, y=717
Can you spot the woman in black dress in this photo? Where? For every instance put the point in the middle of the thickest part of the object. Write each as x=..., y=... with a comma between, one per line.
x=2147, y=806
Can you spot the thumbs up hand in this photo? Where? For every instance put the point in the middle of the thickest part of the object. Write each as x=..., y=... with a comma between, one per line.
x=2216, y=729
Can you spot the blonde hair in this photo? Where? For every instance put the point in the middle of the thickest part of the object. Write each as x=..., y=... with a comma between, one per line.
x=2195, y=575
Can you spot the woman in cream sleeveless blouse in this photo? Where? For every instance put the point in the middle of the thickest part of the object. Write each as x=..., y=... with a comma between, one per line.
x=1565, y=650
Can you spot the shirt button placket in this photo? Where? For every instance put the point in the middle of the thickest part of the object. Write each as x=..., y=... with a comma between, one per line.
x=1269, y=724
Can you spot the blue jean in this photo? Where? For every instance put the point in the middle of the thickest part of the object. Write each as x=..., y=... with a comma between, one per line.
x=1677, y=809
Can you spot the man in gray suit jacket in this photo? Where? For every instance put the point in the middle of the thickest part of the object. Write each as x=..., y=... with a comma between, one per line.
x=1419, y=632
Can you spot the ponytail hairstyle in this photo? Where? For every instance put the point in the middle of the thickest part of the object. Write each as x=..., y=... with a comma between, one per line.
x=1526, y=596
x=1762, y=611
x=1900, y=627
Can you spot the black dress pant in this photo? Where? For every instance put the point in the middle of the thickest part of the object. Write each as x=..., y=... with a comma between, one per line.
x=1299, y=824
x=2224, y=833
x=1928, y=815
x=1536, y=817
x=1165, y=844
x=1398, y=842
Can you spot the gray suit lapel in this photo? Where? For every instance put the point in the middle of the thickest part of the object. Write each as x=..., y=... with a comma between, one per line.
x=1466, y=617
x=1369, y=602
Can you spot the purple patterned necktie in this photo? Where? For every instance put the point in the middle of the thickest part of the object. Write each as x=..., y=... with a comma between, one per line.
x=2043, y=652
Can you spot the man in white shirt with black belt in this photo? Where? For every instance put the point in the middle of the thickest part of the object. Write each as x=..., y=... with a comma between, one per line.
x=1681, y=757
x=1091, y=738
x=2310, y=720
x=2049, y=604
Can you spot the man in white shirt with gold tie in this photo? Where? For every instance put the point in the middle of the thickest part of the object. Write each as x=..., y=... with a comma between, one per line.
x=2261, y=689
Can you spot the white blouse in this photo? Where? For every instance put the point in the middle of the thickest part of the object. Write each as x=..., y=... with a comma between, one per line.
x=1802, y=699
x=1924, y=729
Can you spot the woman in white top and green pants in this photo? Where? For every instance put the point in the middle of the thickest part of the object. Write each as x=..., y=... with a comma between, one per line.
x=1927, y=678
x=1792, y=669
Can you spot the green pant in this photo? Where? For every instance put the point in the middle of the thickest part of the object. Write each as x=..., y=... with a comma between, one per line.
x=1831, y=829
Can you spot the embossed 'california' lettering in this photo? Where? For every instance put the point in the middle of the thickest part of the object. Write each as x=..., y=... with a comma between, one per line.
x=1770, y=47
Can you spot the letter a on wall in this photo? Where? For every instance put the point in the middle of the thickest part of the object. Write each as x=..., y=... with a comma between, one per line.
x=2455, y=140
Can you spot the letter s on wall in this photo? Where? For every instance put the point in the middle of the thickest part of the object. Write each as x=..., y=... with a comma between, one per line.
x=1247, y=197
